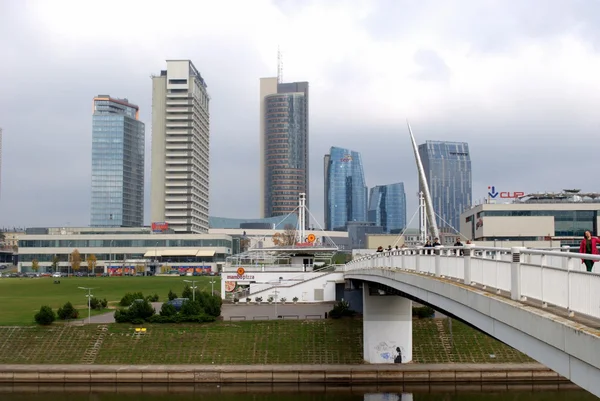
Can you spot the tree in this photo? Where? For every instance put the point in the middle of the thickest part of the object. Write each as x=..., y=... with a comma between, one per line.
x=45, y=316
x=290, y=236
x=75, y=260
x=91, y=262
x=54, y=264
x=35, y=265
x=244, y=244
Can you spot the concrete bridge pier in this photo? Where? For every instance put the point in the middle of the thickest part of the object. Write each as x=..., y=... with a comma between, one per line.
x=387, y=327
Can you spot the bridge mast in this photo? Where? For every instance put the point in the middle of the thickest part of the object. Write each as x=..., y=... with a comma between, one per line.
x=433, y=228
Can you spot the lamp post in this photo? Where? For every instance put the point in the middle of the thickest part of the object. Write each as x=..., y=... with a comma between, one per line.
x=89, y=298
x=155, y=256
x=276, y=296
x=193, y=287
x=212, y=286
x=110, y=253
x=69, y=260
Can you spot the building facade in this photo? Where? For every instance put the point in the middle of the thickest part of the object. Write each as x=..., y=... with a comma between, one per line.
x=447, y=168
x=534, y=217
x=180, y=148
x=125, y=249
x=118, y=144
x=345, y=188
x=284, y=146
x=387, y=207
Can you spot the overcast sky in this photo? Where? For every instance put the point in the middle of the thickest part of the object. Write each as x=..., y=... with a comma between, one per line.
x=518, y=80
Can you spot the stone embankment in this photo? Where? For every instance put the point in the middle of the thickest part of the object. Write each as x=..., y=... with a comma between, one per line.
x=246, y=374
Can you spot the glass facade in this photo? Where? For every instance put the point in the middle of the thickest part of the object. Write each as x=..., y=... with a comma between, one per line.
x=286, y=148
x=567, y=223
x=117, y=164
x=447, y=168
x=345, y=189
x=387, y=207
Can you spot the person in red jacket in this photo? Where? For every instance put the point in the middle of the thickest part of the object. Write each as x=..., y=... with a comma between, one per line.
x=589, y=245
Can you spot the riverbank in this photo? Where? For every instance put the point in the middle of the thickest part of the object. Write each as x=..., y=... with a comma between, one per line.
x=528, y=373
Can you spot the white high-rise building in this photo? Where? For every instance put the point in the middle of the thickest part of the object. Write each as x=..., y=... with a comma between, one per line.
x=180, y=148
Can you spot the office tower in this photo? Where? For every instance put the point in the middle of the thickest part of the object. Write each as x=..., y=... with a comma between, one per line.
x=387, y=207
x=283, y=146
x=0, y=158
x=180, y=148
x=117, y=164
x=447, y=167
x=345, y=189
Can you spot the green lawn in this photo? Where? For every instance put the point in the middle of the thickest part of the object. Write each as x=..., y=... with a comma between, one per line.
x=257, y=342
x=21, y=298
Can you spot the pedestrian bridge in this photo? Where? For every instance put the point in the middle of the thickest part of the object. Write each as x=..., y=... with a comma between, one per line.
x=540, y=302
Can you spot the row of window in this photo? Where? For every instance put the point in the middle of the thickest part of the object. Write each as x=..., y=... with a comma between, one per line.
x=120, y=243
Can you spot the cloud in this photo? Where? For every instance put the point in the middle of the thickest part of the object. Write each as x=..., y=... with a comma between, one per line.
x=518, y=81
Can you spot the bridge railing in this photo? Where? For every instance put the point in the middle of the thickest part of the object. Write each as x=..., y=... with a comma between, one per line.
x=551, y=277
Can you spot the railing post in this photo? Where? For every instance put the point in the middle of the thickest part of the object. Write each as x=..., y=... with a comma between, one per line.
x=418, y=261
x=515, y=274
x=438, y=261
x=565, y=260
x=467, y=266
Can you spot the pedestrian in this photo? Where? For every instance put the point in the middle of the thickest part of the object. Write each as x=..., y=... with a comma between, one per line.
x=589, y=245
x=379, y=249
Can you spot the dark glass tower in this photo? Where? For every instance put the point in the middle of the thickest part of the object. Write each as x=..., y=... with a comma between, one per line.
x=447, y=167
x=387, y=207
x=345, y=189
x=117, y=164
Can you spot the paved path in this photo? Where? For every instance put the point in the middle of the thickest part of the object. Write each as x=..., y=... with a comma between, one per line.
x=109, y=317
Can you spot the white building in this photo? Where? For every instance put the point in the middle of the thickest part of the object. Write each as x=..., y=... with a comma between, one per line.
x=561, y=217
x=180, y=148
x=116, y=249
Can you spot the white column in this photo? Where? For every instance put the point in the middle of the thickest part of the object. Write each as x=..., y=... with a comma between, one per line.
x=387, y=328
x=515, y=274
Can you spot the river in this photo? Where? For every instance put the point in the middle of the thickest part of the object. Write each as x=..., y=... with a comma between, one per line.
x=36, y=392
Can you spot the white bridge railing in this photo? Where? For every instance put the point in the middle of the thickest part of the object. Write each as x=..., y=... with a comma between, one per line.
x=552, y=277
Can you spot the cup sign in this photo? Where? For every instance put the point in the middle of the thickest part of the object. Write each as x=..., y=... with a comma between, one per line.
x=311, y=238
x=241, y=271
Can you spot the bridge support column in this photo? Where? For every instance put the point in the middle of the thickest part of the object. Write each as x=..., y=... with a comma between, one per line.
x=387, y=327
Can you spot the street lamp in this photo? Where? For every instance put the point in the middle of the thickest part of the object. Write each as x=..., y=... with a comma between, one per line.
x=110, y=254
x=276, y=293
x=212, y=286
x=89, y=298
x=69, y=260
x=193, y=287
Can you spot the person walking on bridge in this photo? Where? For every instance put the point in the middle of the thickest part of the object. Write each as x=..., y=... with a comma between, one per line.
x=589, y=245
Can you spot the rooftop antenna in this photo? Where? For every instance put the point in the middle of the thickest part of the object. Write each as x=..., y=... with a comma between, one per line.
x=279, y=66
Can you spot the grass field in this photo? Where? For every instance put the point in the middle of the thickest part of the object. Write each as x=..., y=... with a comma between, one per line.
x=260, y=342
x=21, y=298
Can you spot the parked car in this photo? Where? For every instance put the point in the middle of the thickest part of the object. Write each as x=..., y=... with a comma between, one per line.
x=57, y=274
x=178, y=303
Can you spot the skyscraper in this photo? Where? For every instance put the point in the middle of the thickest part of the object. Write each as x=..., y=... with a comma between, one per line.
x=345, y=189
x=387, y=207
x=283, y=145
x=180, y=148
x=447, y=167
x=117, y=164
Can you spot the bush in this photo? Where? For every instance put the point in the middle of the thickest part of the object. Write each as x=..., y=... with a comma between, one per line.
x=187, y=292
x=140, y=310
x=190, y=308
x=67, y=312
x=167, y=310
x=341, y=309
x=212, y=305
x=104, y=303
x=130, y=297
x=171, y=295
x=423, y=312
x=95, y=303
x=121, y=316
x=152, y=298
x=45, y=316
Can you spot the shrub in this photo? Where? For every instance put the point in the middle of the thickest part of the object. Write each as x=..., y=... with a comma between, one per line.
x=140, y=310
x=283, y=299
x=167, y=310
x=258, y=299
x=295, y=299
x=67, y=312
x=187, y=292
x=171, y=295
x=121, y=316
x=191, y=308
x=152, y=298
x=45, y=316
x=248, y=299
x=423, y=312
x=104, y=303
x=341, y=309
x=130, y=297
x=212, y=305
x=95, y=303
x=270, y=299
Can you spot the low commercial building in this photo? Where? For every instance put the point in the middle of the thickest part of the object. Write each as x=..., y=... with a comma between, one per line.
x=540, y=218
x=123, y=250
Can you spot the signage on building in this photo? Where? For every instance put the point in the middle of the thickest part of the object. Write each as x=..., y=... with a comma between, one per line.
x=479, y=224
x=242, y=277
x=346, y=158
x=493, y=194
x=160, y=227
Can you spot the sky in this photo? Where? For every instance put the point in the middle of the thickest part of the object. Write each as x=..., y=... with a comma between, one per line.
x=516, y=80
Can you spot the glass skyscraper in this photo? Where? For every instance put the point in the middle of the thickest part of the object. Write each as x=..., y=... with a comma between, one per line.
x=117, y=164
x=447, y=168
x=284, y=145
x=387, y=207
x=345, y=189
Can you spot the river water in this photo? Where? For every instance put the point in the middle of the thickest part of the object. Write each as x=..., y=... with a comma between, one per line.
x=36, y=392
